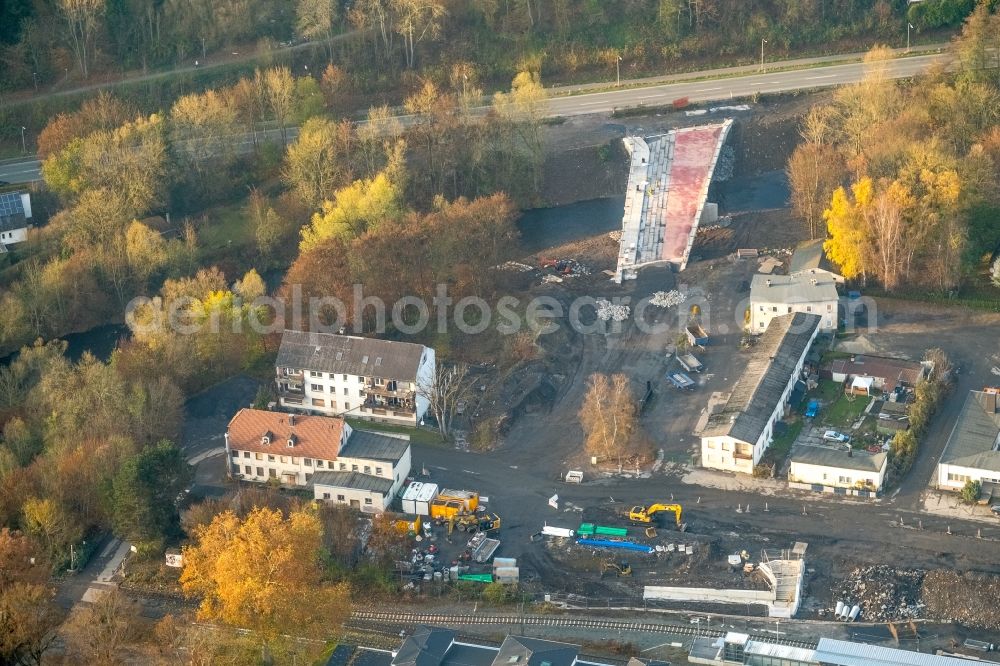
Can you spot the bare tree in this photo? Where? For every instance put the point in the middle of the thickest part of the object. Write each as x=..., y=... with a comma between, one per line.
x=81, y=24
x=608, y=416
x=102, y=630
x=444, y=391
x=417, y=20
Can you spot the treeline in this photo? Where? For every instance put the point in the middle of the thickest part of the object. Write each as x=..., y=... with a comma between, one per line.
x=904, y=176
x=46, y=41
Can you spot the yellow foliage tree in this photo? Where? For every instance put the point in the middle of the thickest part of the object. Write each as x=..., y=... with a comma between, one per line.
x=848, y=233
x=264, y=573
x=355, y=209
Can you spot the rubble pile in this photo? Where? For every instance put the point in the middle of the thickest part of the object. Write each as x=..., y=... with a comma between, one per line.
x=515, y=266
x=883, y=592
x=607, y=311
x=967, y=598
x=667, y=299
x=565, y=267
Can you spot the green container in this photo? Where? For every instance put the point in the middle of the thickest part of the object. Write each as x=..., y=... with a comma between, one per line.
x=477, y=578
x=611, y=531
x=586, y=529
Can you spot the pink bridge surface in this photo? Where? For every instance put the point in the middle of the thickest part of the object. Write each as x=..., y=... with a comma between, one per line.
x=690, y=173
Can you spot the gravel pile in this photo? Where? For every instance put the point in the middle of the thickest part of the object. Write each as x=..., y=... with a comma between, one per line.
x=883, y=593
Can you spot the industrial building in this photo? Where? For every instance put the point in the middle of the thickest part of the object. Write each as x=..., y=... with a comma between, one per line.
x=973, y=449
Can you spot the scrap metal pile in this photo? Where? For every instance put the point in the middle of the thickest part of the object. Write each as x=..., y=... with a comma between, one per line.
x=883, y=592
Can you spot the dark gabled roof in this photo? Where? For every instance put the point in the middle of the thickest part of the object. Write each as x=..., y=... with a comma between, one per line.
x=351, y=655
x=350, y=355
x=765, y=376
x=524, y=651
x=354, y=481
x=826, y=456
x=426, y=647
x=975, y=439
x=374, y=446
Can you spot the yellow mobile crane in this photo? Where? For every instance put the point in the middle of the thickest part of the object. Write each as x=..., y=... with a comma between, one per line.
x=646, y=514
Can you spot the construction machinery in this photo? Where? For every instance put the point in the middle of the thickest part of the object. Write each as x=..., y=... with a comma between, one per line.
x=474, y=523
x=647, y=514
x=617, y=568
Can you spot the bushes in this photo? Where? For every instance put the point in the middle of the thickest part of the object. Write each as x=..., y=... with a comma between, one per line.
x=929, y=393
x=970, y=491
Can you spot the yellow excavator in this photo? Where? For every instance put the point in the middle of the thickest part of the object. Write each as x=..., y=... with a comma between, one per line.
x=615, y=567
x=472, y=523
x=647, y=514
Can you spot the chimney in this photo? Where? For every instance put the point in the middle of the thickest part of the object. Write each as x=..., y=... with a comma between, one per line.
x=291, y=420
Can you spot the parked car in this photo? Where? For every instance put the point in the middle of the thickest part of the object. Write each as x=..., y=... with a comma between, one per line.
x=834, y=436
x=812, y=409
x=995, y=509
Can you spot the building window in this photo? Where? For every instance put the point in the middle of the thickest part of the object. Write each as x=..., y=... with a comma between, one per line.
x=829, y=307
x=368, y=501
x=313, y=373
x=762, y=308
x=774, y=308
x=319, y=463
x=368, y=469
x=248, y=469
x=260, y=471
x=333, y=403
x=960, y=478
x=378, y=471
x=318, y=402
x=354, y=468
x=789, y=308
x=361, y=393
x=235, y=454
x=308, y=477
x=345, y=390
x=844, y=479
x=343, y=466
x=316, y=387
x=762, y=324
x=258, y=456
x=308, y=462
x=246, y=454
x=326, y=495
x=347, y=405
x=273, y=473
x=284, y=460
x=809, y=308
x=270, y=458
x=345, y=378
x=341, y=498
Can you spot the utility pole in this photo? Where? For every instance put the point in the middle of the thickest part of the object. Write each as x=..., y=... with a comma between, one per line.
x=24, y=146
x=618, y=70
x=762, y=42
x=909, y=26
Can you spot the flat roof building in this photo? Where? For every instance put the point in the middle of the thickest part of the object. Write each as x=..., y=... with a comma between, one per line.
x=973, y=449
x=837, y=470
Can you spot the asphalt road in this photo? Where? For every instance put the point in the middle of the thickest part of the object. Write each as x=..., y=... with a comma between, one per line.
x=736, y=83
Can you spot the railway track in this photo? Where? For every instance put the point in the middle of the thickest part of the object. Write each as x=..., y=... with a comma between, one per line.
x=363, y=617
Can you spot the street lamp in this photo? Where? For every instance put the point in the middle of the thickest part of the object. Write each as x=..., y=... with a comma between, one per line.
x=762, y=42
x=34, y=77
x=909, y=26
x=24, y=147
x=618, y=70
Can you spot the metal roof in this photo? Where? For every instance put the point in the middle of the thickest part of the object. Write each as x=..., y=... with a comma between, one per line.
x=833, y=652
x=975, y=439
x=374, y=446
x=837, y=458
x=354, y=481
x=812, y=286
x=350, y=355
x=765, y=376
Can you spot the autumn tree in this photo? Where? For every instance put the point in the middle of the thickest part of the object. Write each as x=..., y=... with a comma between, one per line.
x=354, y=209
x=317, y=162
x=264, y=573
x=417, y=20
x=52, y=525
x=279, y=92
x=315, y=20
x=28, y=614
x=268, y=227
x=98, y=633
x=608, y=416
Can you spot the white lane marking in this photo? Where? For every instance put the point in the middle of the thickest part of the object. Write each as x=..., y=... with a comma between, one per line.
x=825, y=76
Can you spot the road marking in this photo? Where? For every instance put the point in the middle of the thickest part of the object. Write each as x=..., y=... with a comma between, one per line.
x=825, y=76
x=469, y=471
x=701, y=90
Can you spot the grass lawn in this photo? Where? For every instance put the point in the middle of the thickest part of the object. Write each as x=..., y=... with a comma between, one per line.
x=845, y=411
x=782, y=443
x=224, y=229
x=417, y=435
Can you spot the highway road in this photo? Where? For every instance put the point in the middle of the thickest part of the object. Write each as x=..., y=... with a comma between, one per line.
x=740, y=84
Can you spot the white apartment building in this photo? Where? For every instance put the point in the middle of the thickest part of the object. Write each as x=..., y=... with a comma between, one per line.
x=735, y=438
x=838, y=470
x=264, y=446
x=811, y=292
x=348, y=375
